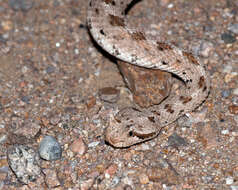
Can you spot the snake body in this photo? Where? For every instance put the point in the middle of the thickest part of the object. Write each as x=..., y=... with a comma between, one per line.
x=108, y=26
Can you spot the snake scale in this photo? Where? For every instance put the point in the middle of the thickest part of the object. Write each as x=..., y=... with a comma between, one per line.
x=108, y=26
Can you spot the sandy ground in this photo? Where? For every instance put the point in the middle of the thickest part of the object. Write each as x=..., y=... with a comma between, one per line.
x=50, y=75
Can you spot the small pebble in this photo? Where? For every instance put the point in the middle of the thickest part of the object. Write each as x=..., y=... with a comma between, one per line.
x=50, y=69
x=3, y=138
x=111, y=170
x=230, y=76
x=115, y=181
x=226, y=93
x=228, y=38
x=6, y=26
x=109, y=94
x=235, y=100
x=93, y=144
x=233, y=109
x=234, y=187
x=206, y=48
x=76, y=51
x=145, y=147
x=51, y=178
x=23, y=5
x=236, y=119
x=25, y=99
x=78, y=146
x=55, y=120
x=24, y=163
x=25, y=69
x=235, y=91
x=207, y=179
x=233, y=28
x=170, y=6
x=227, y=69
x=57, y=44
x=207, y=136
x=229, y=180
x=127, y=187
x=225, y=132
x=144, y=179
x=50, y=149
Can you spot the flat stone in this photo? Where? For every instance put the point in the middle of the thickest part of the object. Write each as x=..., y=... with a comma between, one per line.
x=28, y=129
x=24, y=162
x=175, y=140
x=148, y=86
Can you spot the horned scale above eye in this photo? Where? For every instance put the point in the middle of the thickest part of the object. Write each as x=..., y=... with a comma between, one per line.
x=109, y=28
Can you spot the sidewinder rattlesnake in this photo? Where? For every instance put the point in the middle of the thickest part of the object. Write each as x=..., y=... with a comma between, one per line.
x=108, y=25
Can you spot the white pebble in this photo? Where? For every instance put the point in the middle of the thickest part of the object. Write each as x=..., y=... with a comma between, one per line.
x=225, y=132
x=24, y=69
x=93, y=144
x=107, y=176
x=234, y=187
x=229, y=180
x=57, y=44
x=235, y=91
x=227, y=69
x=76, y=51
x=171, y=5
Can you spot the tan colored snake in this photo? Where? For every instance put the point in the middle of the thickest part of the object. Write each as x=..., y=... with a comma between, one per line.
x=108, y=26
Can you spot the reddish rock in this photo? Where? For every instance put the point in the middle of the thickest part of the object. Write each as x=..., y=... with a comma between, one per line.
x=91, y=102
x=51, y=178
x=148, y=86
x=111, y=170
x=163, y=173
x=207, y=136
x=78, y=146
x=233, y=109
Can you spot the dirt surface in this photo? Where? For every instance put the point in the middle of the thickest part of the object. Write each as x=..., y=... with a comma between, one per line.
x=50, y=75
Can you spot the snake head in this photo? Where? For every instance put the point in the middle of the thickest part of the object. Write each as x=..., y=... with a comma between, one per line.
x=130, y=129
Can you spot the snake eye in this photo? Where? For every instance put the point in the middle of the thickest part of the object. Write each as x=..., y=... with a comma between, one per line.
x=130, y=133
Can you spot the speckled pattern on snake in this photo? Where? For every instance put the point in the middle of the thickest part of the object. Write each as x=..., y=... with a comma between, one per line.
x=108, y=25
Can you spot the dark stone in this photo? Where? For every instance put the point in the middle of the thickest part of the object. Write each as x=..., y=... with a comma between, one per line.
x=176, y=140
x=228, y=38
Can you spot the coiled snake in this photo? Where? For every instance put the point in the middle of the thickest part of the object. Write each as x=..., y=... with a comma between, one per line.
x=108, y=25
